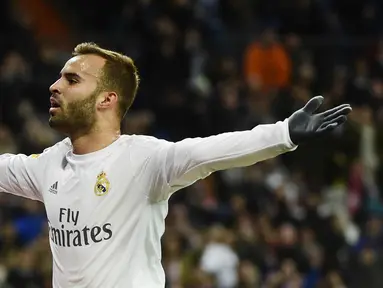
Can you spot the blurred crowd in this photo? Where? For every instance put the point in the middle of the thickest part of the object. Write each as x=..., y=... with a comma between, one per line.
x=311, y=218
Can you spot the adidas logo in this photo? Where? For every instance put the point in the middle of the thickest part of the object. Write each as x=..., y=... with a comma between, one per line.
x=53, y=188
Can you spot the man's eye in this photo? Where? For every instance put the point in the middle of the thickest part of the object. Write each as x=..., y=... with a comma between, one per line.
x=72, y=81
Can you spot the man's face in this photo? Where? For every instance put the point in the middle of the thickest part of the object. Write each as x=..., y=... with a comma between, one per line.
x=74, y=95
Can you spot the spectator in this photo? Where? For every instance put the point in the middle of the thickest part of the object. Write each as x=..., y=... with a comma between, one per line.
x=266, y=63
x=219, y=259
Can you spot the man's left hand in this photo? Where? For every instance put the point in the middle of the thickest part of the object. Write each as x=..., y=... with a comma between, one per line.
x=304, y=125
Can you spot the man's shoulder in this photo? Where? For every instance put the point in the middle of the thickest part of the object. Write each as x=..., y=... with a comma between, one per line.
x=149, y=142
x=63, y=146
x=59, y=148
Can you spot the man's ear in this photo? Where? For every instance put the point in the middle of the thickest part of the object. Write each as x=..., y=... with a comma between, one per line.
x=107, y=99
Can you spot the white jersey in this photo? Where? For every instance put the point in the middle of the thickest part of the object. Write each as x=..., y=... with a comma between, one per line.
x=106, y=210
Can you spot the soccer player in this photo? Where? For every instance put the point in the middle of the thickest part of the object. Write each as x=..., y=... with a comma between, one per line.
x=106, y=194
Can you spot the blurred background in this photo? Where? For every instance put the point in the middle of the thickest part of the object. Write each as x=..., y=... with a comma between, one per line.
x=311, y=218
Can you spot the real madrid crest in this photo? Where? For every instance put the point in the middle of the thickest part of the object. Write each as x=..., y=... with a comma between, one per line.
x=102, y=185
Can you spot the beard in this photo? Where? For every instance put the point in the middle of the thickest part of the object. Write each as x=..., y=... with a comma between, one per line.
x=75, y=117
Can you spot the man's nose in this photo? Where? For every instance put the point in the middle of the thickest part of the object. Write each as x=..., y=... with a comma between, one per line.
x=54, y=88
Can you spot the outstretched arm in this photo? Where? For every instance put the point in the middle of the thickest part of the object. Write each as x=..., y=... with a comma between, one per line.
x=17, y=175
x=182, y=163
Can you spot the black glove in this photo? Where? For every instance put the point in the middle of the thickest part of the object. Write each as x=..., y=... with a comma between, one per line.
x=304, y=125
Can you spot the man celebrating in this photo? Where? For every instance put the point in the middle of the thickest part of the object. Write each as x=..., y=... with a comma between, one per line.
x=106, y=194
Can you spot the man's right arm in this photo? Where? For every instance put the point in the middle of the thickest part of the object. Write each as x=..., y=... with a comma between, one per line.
x=18, y=175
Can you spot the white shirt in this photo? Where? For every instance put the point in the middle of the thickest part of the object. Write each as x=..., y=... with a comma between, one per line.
x=220, y=260
x=107, y=209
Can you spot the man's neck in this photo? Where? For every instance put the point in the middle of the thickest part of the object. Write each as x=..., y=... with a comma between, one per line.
x=93, y=141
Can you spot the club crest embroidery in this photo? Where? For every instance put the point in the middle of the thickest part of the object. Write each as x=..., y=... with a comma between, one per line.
x=102, y=185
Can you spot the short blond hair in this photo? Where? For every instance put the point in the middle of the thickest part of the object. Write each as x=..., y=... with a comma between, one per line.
x=119, y=74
